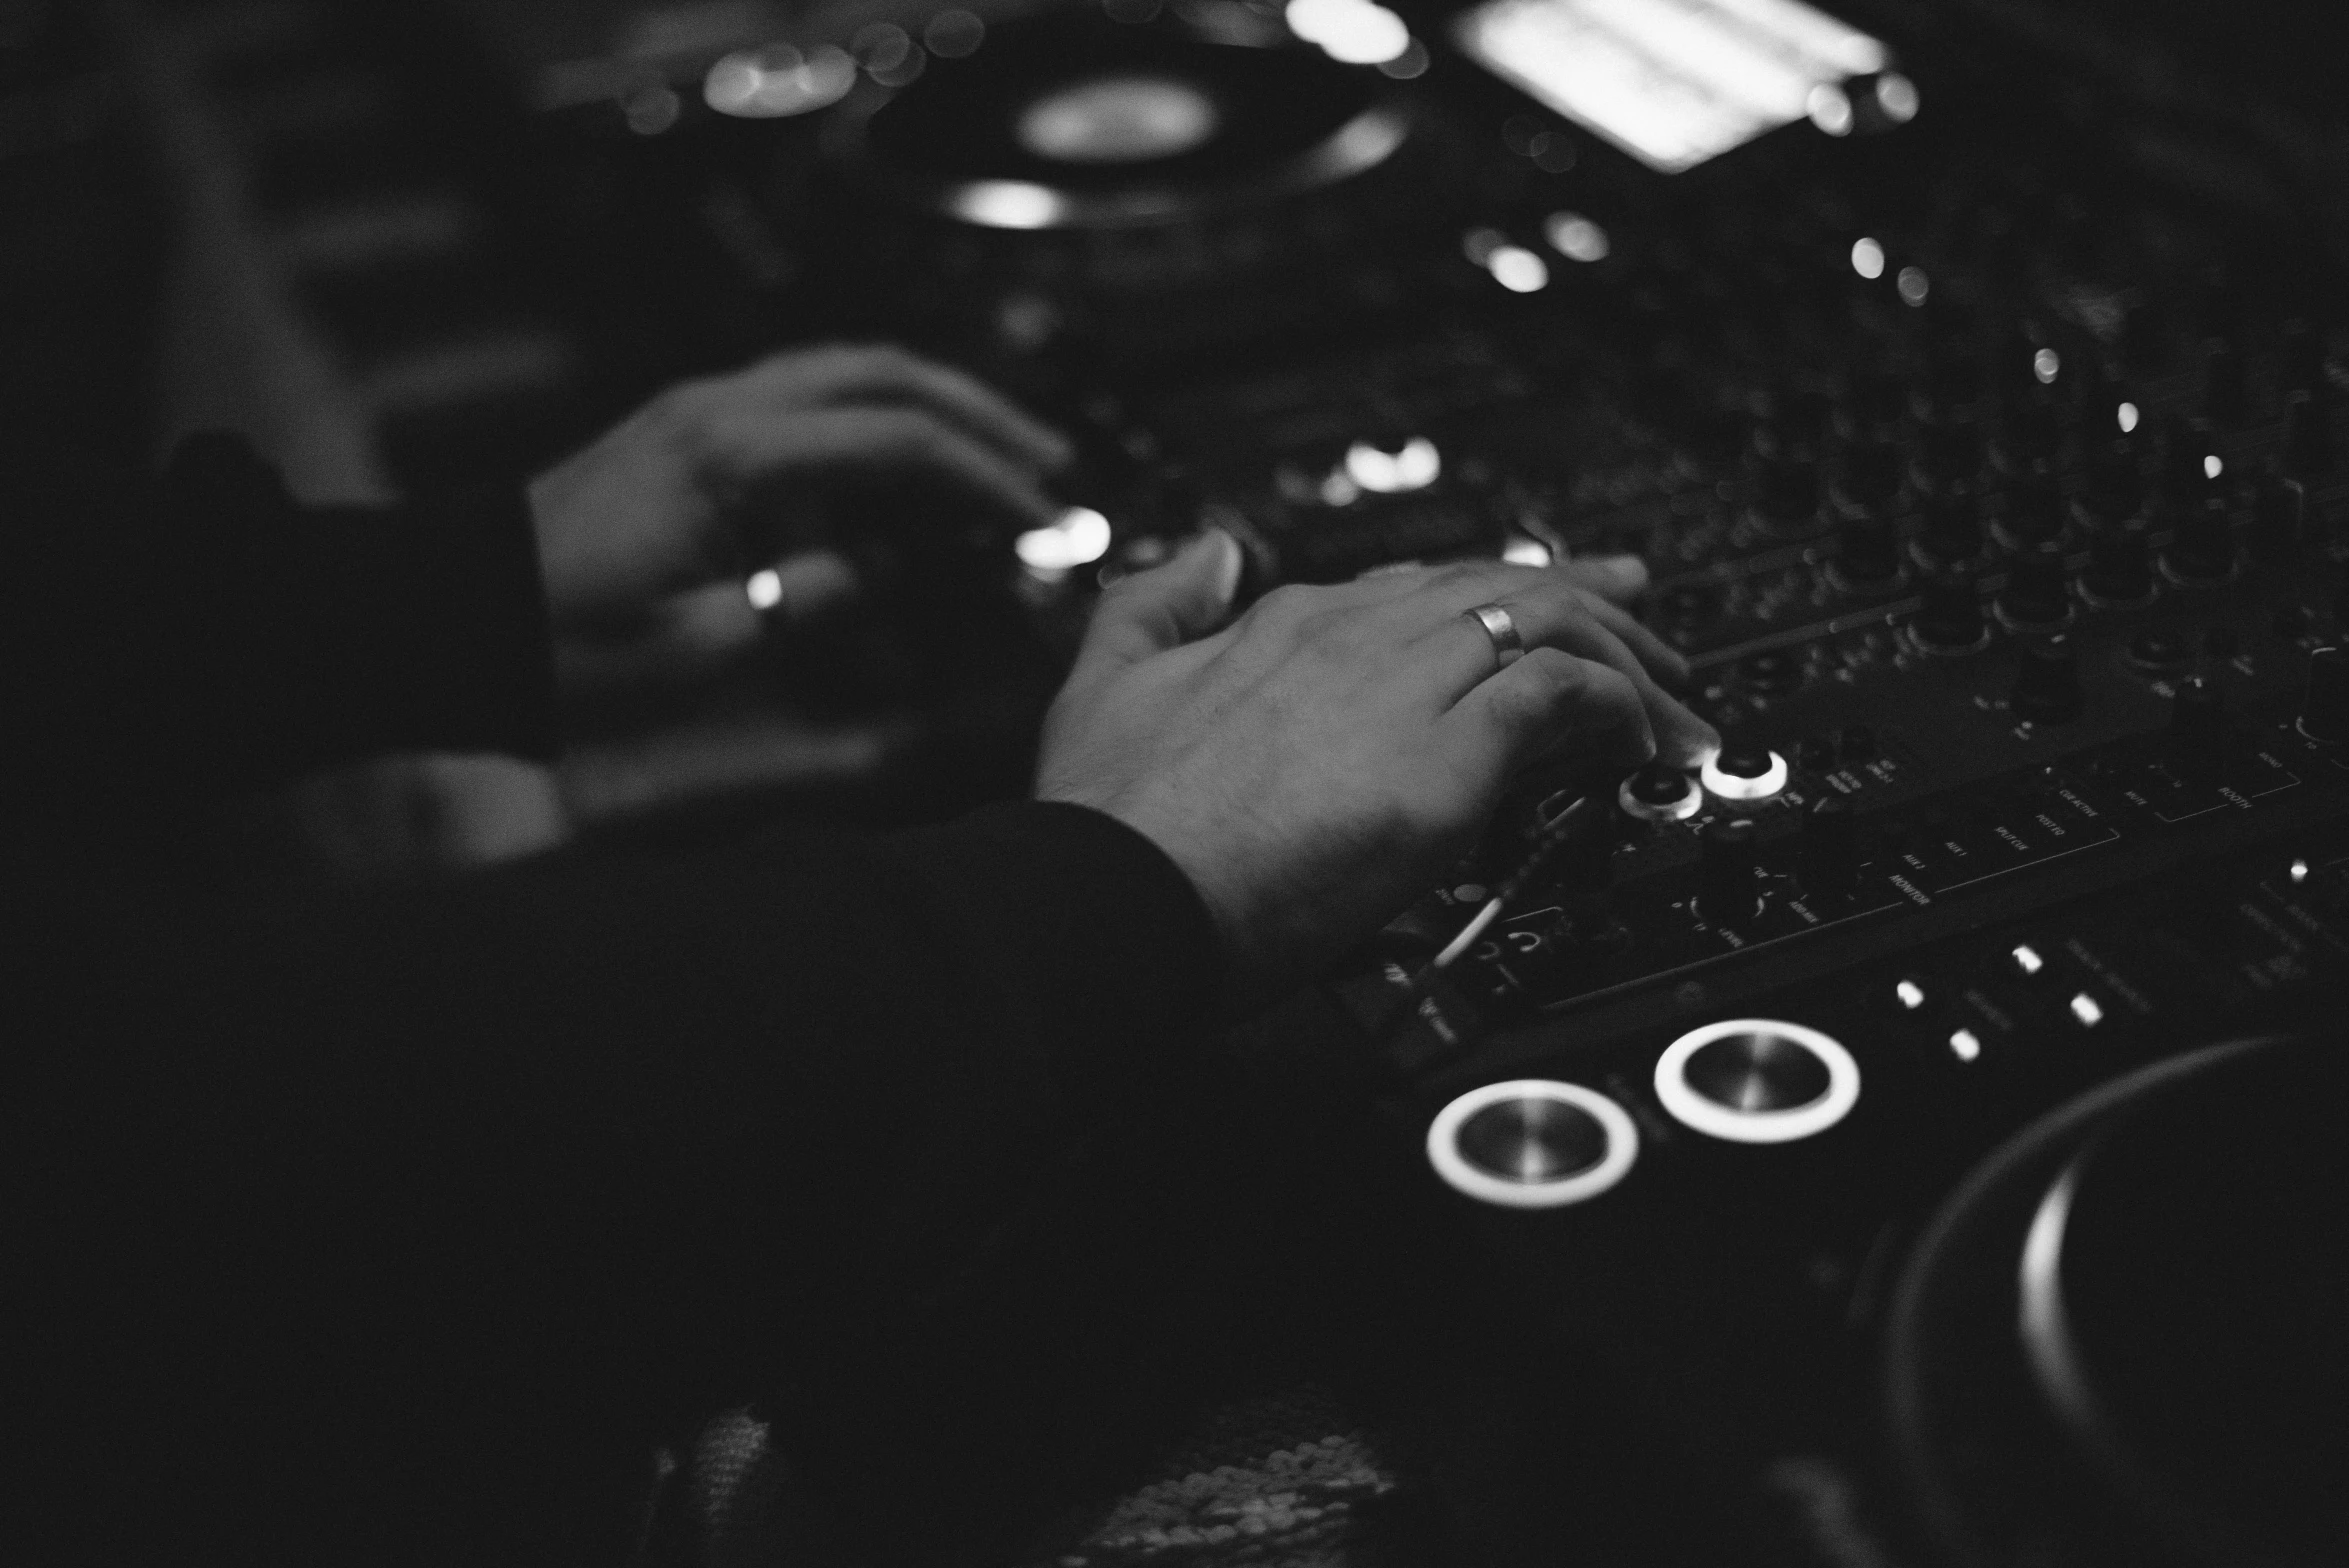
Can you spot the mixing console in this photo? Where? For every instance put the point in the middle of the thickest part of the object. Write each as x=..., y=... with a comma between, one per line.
x=1981, y=428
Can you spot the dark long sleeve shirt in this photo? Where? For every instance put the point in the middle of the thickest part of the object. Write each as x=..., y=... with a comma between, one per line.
x=342, y=1210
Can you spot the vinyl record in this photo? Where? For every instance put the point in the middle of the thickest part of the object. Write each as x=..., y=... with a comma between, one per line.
x=1078, y=122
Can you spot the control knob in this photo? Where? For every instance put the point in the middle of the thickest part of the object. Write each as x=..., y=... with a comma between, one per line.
x=2198, y=729
x=2047, y=682
x=1949, y=620
x=2037, y=591
x=1729, y=890
x=2120, y=563
x=2202, y=550
x=2324, y=715
x=1830, y=845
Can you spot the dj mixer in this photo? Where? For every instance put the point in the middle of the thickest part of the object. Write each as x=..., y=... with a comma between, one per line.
x=1915, y=1136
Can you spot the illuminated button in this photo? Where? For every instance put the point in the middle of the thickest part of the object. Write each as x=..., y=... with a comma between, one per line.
x=1867, y=258
x=1897, y=96
x=2299, y=872
x=764, y=589
x=2126, y=417
x=1965, y=1045
x=1576, y=238
x=1081, y=536
x=2026, y=959
x=2088, y=1010
x=1413, y=466
x=2046, y=365
x=1532, y=1144
x=1830, y=109
x=1659, y=793
x=1757, y=1080
x=1744, y=773
x=1909, y=994
x=1518, y=270
x=1913, y=285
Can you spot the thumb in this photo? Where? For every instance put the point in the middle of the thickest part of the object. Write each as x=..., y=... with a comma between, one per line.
x=1163, y=608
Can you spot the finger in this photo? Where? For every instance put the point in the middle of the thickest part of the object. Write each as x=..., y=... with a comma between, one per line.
x=686, y=639
x=1551, y=593
x=1165, y=607
x=809, y=377
x=756, y=449
x=1551, y=612
x=1618, y=579
x=716, y=758
x=1546, y=701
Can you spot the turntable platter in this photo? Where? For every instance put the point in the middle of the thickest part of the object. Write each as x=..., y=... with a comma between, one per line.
x=1080, y=122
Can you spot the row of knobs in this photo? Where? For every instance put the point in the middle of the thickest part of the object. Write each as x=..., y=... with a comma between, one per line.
x=1827, y=845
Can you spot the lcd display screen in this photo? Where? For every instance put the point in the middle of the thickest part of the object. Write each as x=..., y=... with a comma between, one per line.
x=1671, y=82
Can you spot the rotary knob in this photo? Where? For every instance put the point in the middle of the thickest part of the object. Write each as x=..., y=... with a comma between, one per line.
x=2120, y=564
x=2202, y=549
x=2324, y=714
x=2037, y=591
x=1949, y=618
x=1829, y=849
x=2047, y=682
x=2198, y=729
x=1729, y=889
x=1953, y=527
x=1867, y=553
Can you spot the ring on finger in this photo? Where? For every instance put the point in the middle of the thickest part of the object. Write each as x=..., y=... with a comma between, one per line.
x=1508, y=646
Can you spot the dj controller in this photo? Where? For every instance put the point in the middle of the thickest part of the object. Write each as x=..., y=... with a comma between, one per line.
x=1918, y=1133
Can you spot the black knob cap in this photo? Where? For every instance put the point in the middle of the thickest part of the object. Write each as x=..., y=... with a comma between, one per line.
x=2145, y=339
x=2225, y=390
x=2035, y=513
x=2047, y=682
x=2308, y=435
x=2198, y=729
x=1728, y=891
x=2324, y=715
x=2203, y=547
x=1953, y=527
x=1871, y=472
x=1867, y=552
x=2116, y=482
x=1830, y=845
x=1950, y=618
x=2037, y=591
x=1952, y=449
x=1786, y=481
x=2120, y=563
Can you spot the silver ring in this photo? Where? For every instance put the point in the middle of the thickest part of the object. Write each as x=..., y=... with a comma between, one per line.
x=1508, y=647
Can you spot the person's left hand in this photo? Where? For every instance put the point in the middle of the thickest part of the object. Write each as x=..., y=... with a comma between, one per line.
x=646, y=536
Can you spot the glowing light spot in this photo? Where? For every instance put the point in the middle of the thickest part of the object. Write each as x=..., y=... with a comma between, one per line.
x=2046, y=365
x=1009, y=204
x=2088, y=1010
x=764, y=589
x=1913, y=285
x=1478, y=245
x=1521, y=551
x=1518, y=270
x=1413, y=467
x=1829, y=109
x=1352, y=32
x=1080, y=536
x=651, y=110
x=1339, y=489
x=1965, y=1045
x=2212, y=467
x=1576, y=238
x=1867, y=258
x=768, y=84
x=2127, y=415
x=2027, y=959
x=2299, y=872
x=953, y=34
x=1910, y=994
x=1897, y=96
x=1412, y=62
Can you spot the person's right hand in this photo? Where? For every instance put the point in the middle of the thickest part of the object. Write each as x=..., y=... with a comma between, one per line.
x=1322, y=760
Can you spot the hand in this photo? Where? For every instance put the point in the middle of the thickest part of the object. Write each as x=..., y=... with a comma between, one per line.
x=1314, y=765
x=645, y=536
